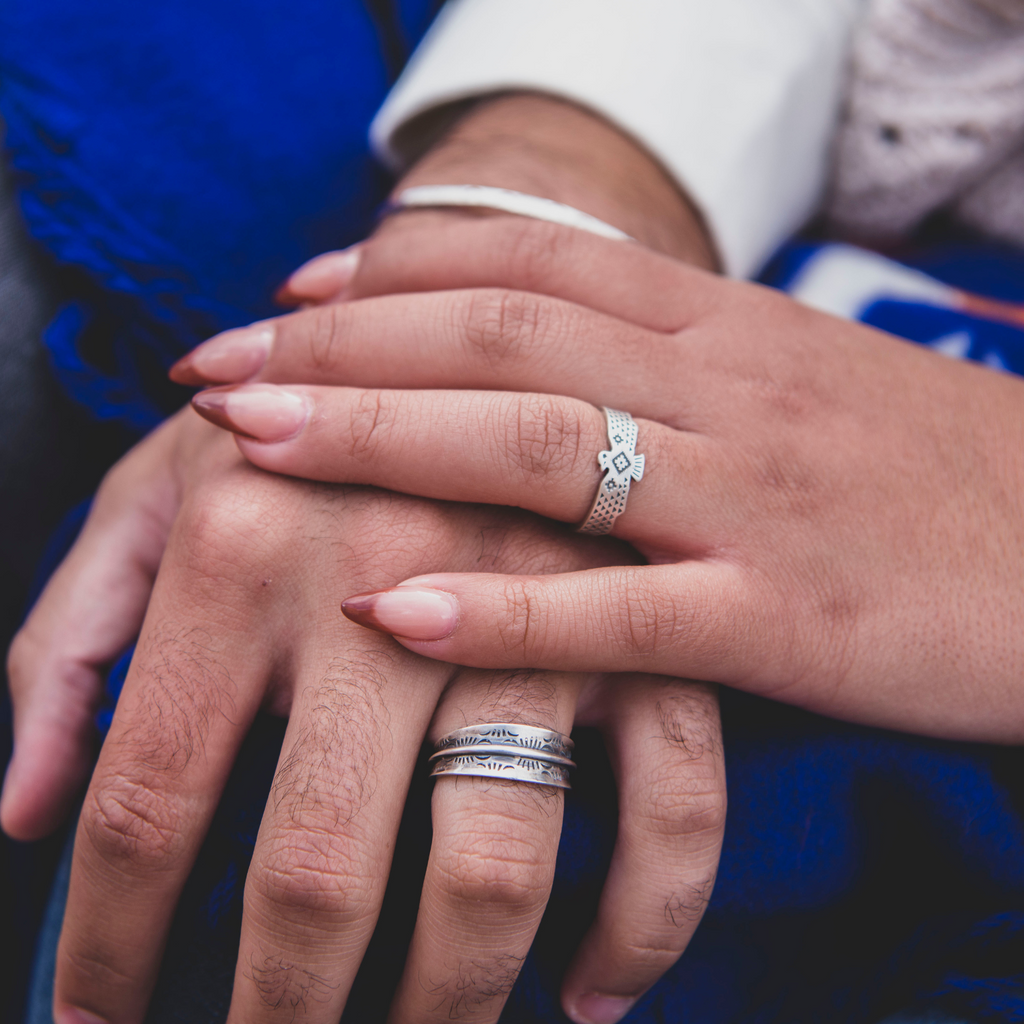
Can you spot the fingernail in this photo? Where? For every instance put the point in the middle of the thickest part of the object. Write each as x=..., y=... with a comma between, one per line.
x=263, y=412
x=229, y=358
x=594, y=1008
x=415, y=613
x=323, y=276
x=74, y=1015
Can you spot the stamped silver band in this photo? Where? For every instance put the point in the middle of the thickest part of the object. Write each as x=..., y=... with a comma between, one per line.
x=532, y=739
x=506, y=750
x=621, y=465
x=511, y=768
x=508, y=201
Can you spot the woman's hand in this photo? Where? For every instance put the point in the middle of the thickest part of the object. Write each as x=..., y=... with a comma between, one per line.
x=835, y=515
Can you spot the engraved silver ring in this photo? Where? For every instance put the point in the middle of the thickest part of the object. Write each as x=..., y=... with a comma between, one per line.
x=505, y=750
x=621, y=465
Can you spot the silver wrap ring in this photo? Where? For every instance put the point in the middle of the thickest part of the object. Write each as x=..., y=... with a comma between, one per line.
x=621, y=465
x=505, y=750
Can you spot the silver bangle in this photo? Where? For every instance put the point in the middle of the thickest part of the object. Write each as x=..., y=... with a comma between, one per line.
x=488, y=198
x=622, y=464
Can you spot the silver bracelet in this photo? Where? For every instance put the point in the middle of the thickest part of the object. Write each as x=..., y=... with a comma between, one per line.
x=504, y=199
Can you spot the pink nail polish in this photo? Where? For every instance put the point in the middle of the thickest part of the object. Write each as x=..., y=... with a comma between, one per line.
x=324, y=276
x=263, y=412
x=229, y=358
x=595, y=1008
x=415, y=613
x=75, y=1015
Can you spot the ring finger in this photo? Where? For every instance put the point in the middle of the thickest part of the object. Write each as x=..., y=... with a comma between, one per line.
x=492, y=860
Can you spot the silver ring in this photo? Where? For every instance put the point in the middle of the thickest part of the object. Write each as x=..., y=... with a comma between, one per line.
x=543, y=743
x=512, y=768
x=621, y=464
x=502, y=748
x=506, y=750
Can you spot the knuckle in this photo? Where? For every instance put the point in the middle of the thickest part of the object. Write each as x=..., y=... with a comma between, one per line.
x=91, y=968
x=132, y=825
x=537, y=249
x=646, y=622
x=539, y=434
x=651, y=956
x=323, y=329
x=369, y=421
x=679, y=807
x=233, y=520
x=304, y=871
x=490, y=865
x=517, y=629
x=502, y=325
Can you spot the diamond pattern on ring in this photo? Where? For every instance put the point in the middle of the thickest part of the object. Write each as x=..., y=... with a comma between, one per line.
x=621, y=465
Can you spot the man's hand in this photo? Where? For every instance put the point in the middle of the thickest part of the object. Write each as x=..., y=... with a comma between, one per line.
x=243, y=614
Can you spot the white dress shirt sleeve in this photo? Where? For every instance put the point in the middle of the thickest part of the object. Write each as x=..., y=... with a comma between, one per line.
x=738, y=99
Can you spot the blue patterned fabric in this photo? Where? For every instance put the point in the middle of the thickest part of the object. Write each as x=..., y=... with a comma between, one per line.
x=181, y=159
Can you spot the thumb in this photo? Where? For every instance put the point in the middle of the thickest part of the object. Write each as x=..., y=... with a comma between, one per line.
x=678, y=619
x=90, y=611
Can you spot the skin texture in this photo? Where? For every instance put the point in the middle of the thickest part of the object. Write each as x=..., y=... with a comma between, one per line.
x=832, y=514
x=230, y=578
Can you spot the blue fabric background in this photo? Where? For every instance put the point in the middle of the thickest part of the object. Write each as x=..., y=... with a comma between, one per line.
x=186, y=157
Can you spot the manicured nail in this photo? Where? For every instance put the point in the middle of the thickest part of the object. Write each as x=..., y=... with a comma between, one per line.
x=415, y=613
x=263, y=412
x=229, y=358
x=74, y=1015
x=322, y=277
x=594, y=1008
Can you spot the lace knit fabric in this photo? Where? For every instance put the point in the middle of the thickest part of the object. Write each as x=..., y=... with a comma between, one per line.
x=934, y=118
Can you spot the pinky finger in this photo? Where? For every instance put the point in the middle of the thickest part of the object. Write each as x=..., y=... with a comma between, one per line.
x=664, y=737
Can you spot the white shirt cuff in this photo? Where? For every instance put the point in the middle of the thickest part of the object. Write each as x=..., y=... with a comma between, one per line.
x=737, y=98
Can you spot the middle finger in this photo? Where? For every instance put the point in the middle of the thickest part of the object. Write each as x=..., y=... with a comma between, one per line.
x=322, y=857
x=533, y=451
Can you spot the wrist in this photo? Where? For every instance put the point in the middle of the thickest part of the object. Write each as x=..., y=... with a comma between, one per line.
x=553, y=149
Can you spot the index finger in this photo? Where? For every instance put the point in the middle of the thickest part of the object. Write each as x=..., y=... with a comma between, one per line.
x=652, y=294
x=179, y=721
